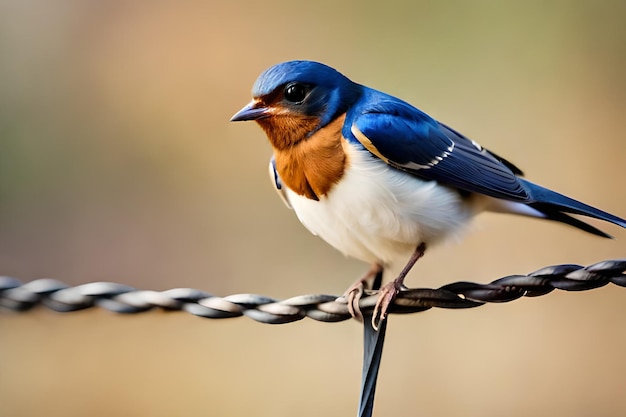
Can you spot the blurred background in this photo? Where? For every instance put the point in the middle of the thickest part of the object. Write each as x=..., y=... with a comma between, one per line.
x=118, y=163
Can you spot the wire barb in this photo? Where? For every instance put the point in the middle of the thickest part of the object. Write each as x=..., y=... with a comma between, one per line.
x=55, y=295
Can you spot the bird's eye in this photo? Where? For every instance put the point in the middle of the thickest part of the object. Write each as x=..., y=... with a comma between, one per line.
x=295, y=92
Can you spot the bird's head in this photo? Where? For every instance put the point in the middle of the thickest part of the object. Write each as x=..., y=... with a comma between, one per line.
x=294, y=99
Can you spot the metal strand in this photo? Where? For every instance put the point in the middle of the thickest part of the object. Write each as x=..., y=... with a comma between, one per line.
x=55, y=295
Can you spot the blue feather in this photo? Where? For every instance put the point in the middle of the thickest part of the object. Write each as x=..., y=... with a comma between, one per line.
x=551, y=202
x=405, y=138
x=410, y=140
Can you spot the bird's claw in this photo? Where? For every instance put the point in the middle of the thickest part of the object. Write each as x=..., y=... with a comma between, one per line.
x=355, y=292
x=351, y=297
x=386, y=295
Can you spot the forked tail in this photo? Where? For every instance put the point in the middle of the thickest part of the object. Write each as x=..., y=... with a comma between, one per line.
x=555, y=206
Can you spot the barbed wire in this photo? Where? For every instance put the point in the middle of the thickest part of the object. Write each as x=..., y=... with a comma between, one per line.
x=55, y=295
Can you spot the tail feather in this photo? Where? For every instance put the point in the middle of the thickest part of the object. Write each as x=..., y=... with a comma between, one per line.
x=555, y=205
x=554, y=214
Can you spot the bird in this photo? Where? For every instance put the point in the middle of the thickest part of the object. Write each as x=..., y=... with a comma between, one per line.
x=379, y=179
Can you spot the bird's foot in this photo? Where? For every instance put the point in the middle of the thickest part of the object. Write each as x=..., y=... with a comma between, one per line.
x=386, y=295
x=388, y=292
x=353, y=294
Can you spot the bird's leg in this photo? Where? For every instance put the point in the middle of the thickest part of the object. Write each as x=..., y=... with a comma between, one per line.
x=355, y=291
x=389, y=291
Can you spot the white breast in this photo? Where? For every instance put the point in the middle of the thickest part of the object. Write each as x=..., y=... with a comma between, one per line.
x=380, y=214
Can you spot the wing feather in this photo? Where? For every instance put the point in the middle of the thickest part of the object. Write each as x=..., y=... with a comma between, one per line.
x=410, y=140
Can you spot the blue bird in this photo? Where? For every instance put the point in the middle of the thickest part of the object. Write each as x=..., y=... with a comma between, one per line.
x=379, y=179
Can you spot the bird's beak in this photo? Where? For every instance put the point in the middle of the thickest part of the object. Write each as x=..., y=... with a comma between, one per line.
x=255, y=110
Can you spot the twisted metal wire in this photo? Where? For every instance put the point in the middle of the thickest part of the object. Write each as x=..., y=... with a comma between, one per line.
x=119, y=298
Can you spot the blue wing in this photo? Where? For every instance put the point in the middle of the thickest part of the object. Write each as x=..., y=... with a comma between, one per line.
x=410, y=140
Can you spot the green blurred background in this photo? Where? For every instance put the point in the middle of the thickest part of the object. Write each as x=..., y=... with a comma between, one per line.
x=117, y=162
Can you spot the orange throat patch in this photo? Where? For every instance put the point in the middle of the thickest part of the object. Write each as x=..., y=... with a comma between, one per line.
x=311, y=166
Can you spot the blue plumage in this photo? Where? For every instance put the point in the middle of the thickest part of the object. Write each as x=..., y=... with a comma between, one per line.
x=412, y=141
x=380, y=179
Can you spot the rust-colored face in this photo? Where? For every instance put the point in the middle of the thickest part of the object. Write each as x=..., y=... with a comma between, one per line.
x=312, y=166
x=309, y=159
x=285, y=130
x=283, y=115
x=301, y=107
